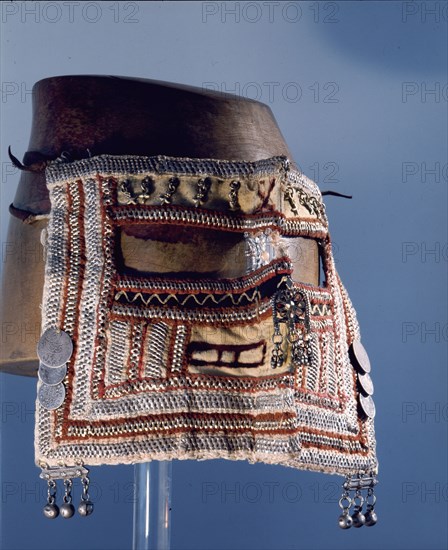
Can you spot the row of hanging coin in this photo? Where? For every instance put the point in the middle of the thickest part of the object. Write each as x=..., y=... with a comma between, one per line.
x=291, y=306
x=66, y=509
x=202, y=190
x=363, y=506
x=361, y=363
x=54, y=349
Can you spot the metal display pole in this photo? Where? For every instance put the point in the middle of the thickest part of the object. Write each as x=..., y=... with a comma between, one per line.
x=152, y=506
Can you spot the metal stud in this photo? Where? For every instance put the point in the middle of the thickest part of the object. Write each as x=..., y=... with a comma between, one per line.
x=233, y=195
x=202, y=192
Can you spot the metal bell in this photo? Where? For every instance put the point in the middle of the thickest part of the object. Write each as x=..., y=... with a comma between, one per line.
x=51, y=511
x=359, y=519
x=345, y=521
x=67, y=510
x=371, y=518
x=85, y=508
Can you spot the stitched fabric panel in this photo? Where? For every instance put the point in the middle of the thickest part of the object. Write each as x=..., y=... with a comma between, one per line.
x=179, y=365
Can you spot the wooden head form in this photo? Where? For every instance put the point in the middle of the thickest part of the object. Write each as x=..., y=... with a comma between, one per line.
x=93, y=115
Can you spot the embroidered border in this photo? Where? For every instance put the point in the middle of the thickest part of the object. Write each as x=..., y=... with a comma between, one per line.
x=115, y=414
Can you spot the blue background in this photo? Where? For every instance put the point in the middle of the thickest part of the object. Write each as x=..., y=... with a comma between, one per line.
x=350, y=87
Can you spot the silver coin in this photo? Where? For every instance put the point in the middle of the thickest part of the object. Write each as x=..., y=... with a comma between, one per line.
x=367, y=405
x=51, y=375
x=361, y=358
x=51, y=397
x=366, y=383
x=55, y=347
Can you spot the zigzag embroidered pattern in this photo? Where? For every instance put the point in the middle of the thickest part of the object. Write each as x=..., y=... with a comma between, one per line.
x=191, y=297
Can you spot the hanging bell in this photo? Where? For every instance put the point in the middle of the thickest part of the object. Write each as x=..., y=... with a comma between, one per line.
x=370, y=518
x=67, y=509
x=358, y=517
x=345, y=521
x=51, y=511
x=85, y=508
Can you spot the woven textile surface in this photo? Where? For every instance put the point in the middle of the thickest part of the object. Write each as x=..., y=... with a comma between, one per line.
x=176, y=363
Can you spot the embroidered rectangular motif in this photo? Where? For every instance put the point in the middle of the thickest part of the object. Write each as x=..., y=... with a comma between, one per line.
x=168, y=366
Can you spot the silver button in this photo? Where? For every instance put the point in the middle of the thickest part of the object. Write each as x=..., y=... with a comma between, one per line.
x=360, y=358
x=365, y=383
x=51, y=397
x=51, y=375
x=367, y=405
x=55, y=348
